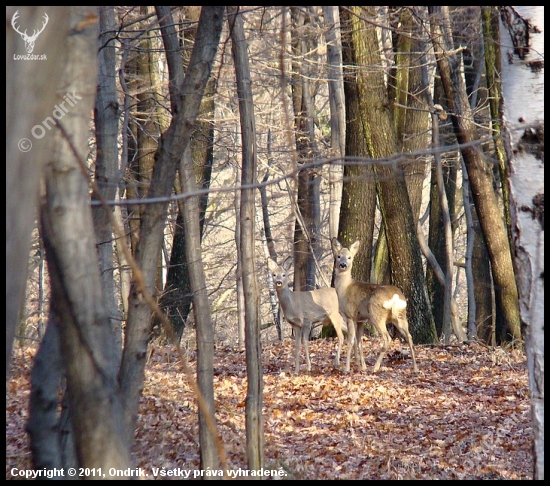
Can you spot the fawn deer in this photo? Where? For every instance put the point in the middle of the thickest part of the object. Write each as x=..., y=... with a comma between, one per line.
x=302, y=309
x=361, y=302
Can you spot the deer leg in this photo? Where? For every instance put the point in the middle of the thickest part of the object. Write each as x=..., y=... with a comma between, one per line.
x=337, y=321
x=403, y=327
x=297, y=345
x=351, y=341
x=306, y=329
x=386, y=341
x=359, y=338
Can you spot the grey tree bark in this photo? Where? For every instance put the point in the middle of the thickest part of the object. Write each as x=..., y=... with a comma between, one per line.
x=106, y=114
x=337, y=113
x=30, y=98
x=523, y=93
x=306, y=230
x=254, y=391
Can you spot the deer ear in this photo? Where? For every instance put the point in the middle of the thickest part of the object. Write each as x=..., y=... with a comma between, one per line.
x=287, y=263
x=271, y=264
x=355, y=247
x=336, y=245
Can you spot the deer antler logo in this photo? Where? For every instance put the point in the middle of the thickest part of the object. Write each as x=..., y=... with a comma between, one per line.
x=29, y=40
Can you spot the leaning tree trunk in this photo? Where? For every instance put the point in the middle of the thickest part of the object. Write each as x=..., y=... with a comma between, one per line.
x=523, y=92
x=254, y=392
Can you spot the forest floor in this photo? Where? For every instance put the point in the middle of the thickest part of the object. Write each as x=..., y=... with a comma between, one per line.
x=464, y=415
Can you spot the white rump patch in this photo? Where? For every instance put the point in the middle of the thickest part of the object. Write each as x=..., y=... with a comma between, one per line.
x=395, y=302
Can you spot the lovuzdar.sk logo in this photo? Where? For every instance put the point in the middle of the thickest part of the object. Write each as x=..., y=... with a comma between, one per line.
x=29, y=39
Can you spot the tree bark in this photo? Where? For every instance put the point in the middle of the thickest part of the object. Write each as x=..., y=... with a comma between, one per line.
x=337, y=113
x=106, y=114
x=405, y=256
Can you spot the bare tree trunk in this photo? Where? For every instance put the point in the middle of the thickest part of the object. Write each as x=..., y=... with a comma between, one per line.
x=254, y=393
x=337, y=113
x=269, y=245
x=306, y=230
x=358, y=206
x=106, y=170
x=523, y=92
x=30, y=98
x=177, y=296
x=43, y=424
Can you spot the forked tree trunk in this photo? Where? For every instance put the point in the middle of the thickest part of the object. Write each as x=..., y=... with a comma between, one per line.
x=185, y=98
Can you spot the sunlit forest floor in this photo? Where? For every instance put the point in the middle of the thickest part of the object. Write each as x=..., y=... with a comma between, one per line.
x=465, y=415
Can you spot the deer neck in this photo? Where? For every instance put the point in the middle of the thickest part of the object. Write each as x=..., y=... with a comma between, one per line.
x=343, y=280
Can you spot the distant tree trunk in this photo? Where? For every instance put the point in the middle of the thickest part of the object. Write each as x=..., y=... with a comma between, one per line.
x=306, y=231
x=254, y=393
x=337, y=113
x=269, y=244
x=30, y=98
x=185, y=98
x=405, y=256
x=523, y=93
x=481, y=180
x=493, y=70
x=483, y=285
x=106, y=117
x=95, y=406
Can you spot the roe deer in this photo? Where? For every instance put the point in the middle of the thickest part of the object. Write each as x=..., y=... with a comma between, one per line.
x=361, y=302
x=302, y=309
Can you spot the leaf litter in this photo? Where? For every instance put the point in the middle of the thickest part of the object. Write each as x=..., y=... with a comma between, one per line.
x=464, y=415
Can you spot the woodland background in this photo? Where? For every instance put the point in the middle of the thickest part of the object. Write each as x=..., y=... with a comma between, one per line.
x=206, y=140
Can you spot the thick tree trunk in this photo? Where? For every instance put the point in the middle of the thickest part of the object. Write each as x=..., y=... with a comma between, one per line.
x=405, y=256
